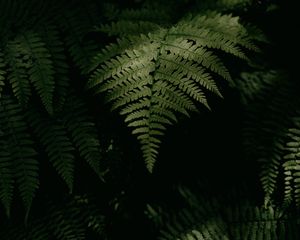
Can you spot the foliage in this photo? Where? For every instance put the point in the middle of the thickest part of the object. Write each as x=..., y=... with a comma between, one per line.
x=221, y=217
x=154, y=62
x=271, y=131
x=152, y=72
x=34, y=65
x=73, y=220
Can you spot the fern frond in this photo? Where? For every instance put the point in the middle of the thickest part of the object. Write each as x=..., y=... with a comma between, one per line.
x=77, y=23
x=216, y=218
x=124, y=28
x=20, y=148
x=41, y=69
x=2, y=72
x=68, y=229
x=55, y=46
x=29, y=59
x=291, y=165
x=193, y=52
x=148, y=14
x=210, y=37
x=56, y=143
x=83, y=133
x=6, y=177
x=17, y=71
x=151, y=77
x=266, y=127
x=72, y=220
x=147, y=19
x=223, y=5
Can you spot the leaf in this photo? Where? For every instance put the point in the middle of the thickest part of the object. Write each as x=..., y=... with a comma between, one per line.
x=149, y=77
x=19, y=147
x=56, y=143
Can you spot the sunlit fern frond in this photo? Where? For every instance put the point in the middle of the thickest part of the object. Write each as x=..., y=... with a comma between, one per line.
x=150, y=77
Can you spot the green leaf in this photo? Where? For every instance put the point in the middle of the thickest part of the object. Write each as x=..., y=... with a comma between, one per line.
x=151, y=76
x=19, y=148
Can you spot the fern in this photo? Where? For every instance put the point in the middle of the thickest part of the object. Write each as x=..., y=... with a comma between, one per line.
x=29, y=57
x=62, y=136
x=151, y=77
x=35, y=63
x=223, y=5
x=41, y=69
x=71, y=220
x=2, y=72
x=78, y=23
x=18, y=153
x=291, y=165
x=216, y=218
x=83, y=133
x=54, y=44
x=137, y=21
x=6, y=178
x=17, y=74
x=34, y=43
x=267, y=127
x=57, y=145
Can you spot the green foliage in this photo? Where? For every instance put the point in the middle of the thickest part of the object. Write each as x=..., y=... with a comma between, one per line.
x=271, y=130
x=156, y=67
x=72, y=220
x=223, y=5
x=153, y=72
x=291, y=165
x=57, y=145
x=83, y=132
x=33, y=51
x=2, y=72
x=37, y=40
x=60, y=138
x=223, y=218
x=76, y=24
x=18, y=156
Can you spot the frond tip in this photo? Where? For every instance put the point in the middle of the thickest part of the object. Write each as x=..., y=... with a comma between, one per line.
x=149, y=77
